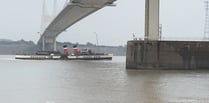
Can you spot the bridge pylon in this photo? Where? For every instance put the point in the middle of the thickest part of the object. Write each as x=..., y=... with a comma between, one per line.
x=152, y=9
x=47, y=44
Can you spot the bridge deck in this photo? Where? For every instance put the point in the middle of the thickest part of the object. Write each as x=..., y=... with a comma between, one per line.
x=72, y=13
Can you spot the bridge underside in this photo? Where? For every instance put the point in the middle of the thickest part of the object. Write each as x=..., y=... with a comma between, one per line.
x=72, y=13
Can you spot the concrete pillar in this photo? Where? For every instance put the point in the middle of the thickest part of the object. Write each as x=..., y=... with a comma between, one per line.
x=152, y=19
x=43, y=44
x=55, y=44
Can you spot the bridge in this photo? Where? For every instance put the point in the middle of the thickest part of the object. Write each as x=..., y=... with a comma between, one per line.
x=74, y=11
x=150, y=53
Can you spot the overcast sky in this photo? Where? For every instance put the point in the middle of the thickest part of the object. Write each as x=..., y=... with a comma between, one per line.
x=21, y=19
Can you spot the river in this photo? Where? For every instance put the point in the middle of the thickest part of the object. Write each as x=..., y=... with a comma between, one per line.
x=60, y=81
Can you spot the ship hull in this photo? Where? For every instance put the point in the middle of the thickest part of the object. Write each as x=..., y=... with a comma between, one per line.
x=64, y=57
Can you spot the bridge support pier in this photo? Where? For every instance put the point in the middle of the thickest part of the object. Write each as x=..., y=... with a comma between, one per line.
x=167, y=55
x=153, y=54
x=48, y=44
x=137, y=52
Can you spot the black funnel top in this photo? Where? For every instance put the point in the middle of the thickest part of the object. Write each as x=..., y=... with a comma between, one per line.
x=74, y=46
x=64, y=46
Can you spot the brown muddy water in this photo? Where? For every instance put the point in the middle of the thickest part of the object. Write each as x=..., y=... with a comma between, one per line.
x=58, y=81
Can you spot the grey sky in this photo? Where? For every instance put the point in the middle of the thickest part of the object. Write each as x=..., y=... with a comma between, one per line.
x=21, y=19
